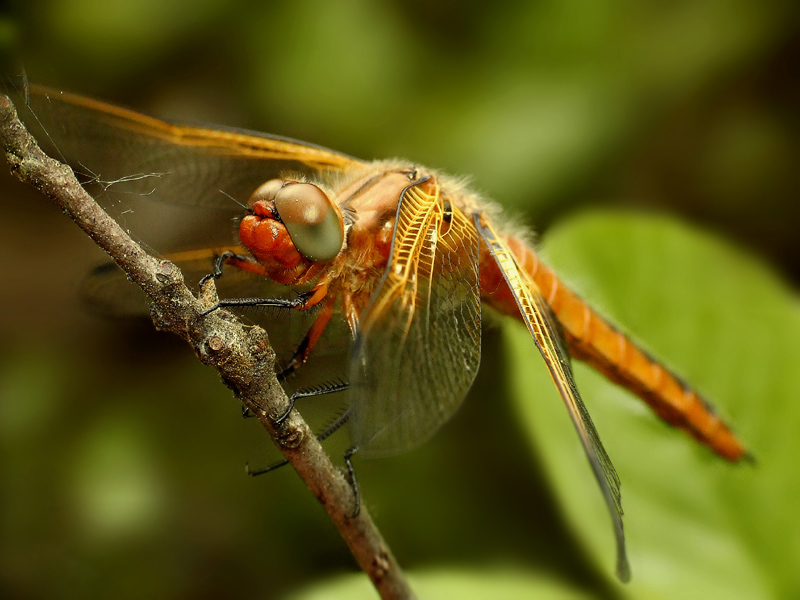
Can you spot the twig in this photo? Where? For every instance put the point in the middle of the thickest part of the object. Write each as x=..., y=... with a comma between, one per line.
x=241, y=355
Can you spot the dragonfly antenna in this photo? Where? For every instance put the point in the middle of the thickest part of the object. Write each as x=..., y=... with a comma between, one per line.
x=232, y=198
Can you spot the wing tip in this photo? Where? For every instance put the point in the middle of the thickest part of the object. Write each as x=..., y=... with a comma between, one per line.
x=623, y=567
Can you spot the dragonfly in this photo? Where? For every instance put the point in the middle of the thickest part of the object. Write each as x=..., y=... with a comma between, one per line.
x=403, y=255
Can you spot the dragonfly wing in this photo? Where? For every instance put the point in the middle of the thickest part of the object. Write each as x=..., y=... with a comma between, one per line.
x=542, y=327
x=120, y=151
x=106, y=290
x=419, y=343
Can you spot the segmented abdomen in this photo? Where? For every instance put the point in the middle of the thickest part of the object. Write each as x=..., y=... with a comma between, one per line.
x=592, y=339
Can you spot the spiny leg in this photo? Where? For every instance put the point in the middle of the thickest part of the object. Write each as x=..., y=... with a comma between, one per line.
x=299, y=303
x=326, y=388
x=301, y=355
x=329, y=431
x=220, y=261
x=303, y=301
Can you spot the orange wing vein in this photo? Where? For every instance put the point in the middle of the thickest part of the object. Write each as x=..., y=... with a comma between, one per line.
x=419, y=343
x=120, y=151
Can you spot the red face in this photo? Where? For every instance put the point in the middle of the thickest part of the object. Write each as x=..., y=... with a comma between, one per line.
x=292, y=226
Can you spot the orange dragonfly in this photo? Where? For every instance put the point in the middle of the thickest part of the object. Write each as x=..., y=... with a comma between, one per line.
x=405, y=254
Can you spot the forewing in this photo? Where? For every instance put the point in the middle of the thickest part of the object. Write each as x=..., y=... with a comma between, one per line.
x=151, y=175
x=419, y=344
x=123, y=151
x=541, y=325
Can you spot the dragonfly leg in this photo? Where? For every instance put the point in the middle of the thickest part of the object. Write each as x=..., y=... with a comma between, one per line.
x=303, y=301
x=220, y=261
x=300, y=303
x=351, y=472
x=268, y=469
x=326, y=388
x=320, y=390
x=329, y=431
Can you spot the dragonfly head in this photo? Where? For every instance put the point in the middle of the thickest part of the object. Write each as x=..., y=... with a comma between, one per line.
x=290, y=221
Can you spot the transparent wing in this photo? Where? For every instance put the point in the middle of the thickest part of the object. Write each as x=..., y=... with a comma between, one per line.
x=152, y=175
x=109, y=292
x=541, y=325
x=124, y=152
x=419, y=343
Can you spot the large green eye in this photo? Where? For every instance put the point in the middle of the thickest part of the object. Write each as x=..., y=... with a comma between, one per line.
x=312, y=220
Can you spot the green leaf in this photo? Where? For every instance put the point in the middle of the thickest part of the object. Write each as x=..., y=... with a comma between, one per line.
x=697, y=527
x=507, y=584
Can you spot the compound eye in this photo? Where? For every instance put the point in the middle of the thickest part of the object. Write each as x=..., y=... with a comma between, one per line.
x=314, y=223
x=266, y=191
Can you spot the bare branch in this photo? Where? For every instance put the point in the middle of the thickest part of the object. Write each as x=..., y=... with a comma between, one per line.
x=241, y=355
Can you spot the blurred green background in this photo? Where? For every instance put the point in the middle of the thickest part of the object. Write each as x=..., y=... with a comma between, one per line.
x=653, y=145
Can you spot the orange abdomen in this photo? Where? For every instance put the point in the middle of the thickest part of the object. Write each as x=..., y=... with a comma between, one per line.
x=592, y=339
